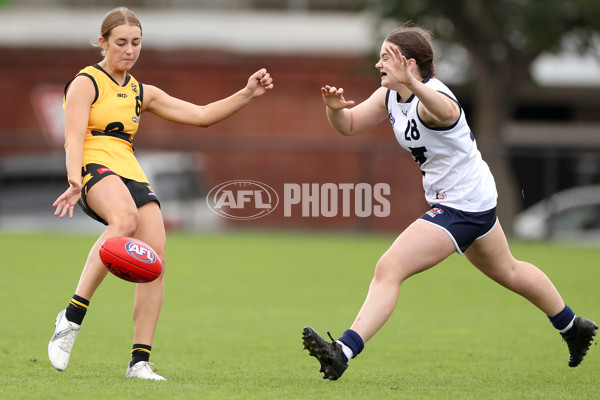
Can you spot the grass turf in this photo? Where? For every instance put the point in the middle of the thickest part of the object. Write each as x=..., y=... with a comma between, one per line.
x=235, y=306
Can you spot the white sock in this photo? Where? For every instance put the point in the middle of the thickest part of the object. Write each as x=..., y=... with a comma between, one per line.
x=347, y=351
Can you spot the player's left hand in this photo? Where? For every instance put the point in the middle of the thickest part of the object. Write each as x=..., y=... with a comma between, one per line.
x=259, y=83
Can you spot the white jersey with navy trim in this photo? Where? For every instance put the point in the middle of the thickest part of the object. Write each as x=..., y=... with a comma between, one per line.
x=454, y=174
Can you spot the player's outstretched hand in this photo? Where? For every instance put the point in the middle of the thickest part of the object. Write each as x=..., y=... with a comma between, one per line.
x=260, y=82
x=66, y=201
x=334, y=98
x=396, y=66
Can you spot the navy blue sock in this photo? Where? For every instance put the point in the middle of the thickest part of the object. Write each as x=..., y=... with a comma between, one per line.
x=353, y=341
x=562, y=320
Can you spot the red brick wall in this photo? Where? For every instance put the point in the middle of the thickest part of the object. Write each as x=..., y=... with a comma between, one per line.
x=282, y=137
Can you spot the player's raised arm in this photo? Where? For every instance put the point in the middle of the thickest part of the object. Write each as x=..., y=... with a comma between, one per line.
x=173, y=109
x=435, y=108
x=352, y=121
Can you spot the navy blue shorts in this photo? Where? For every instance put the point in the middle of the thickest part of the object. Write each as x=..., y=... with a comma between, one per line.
x=463, y=227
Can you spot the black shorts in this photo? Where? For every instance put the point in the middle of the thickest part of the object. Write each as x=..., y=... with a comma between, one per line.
x=463, y=227
x=141, y=192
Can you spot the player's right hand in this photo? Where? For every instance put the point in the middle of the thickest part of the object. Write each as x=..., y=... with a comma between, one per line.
x=334, y=98
x=66, y=201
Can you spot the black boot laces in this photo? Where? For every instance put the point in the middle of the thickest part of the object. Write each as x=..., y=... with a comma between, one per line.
x=331, y=337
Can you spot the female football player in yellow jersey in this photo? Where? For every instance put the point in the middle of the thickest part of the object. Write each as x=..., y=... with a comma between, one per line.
x=103, y=105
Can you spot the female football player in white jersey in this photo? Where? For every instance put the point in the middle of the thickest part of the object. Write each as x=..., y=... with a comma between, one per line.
x=103, y=107
x=429, y=122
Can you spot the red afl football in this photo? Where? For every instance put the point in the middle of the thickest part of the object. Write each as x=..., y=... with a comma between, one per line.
x=130, y=259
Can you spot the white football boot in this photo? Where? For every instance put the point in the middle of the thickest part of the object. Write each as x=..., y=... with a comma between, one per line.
x=142, y=370
x=61, y=344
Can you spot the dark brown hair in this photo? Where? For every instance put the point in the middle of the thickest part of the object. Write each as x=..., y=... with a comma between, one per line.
x=415, y=42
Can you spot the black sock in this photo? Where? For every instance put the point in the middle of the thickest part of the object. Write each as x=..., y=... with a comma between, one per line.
x=140, y=352
x=76, y=309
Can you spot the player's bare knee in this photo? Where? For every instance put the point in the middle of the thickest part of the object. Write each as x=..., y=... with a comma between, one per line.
x=512, y=269
x=388, y=270
x=508, y=276
x=126, y=223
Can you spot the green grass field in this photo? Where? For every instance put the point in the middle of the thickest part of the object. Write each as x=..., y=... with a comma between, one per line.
x=235, y=306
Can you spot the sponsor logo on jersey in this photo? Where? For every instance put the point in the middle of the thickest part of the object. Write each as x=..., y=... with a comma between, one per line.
x=122, y=95
x=134, y=119
x=392, y=119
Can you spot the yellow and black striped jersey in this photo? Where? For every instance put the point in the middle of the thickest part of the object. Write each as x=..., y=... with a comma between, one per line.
x=113, y=121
